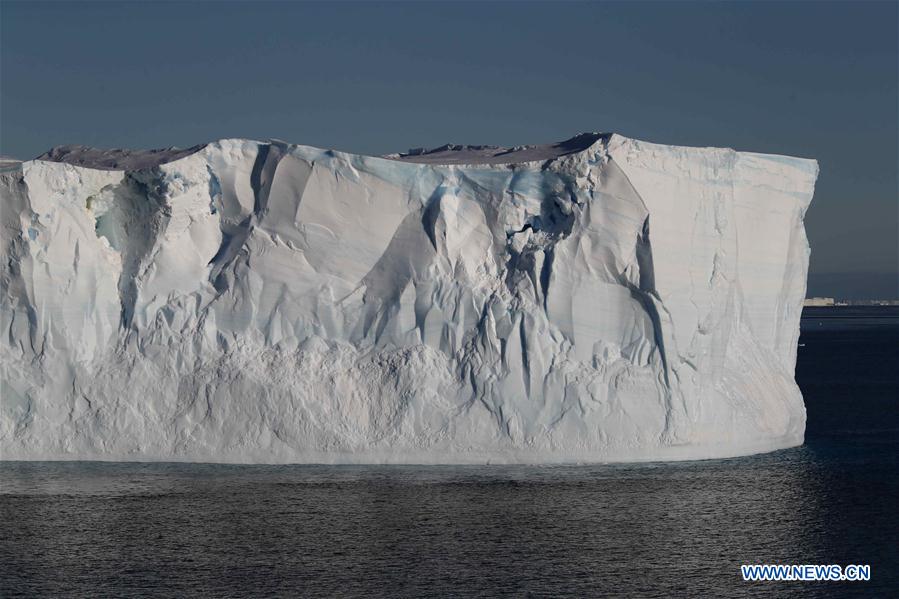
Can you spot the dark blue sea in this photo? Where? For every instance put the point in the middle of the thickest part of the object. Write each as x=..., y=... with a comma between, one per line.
x=652, y=530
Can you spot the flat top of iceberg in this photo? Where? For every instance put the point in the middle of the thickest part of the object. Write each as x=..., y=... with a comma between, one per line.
x=448, y=154
x=116, y=159
x=463, y=154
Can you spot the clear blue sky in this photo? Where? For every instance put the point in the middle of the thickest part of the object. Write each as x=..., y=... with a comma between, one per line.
x=808, y=79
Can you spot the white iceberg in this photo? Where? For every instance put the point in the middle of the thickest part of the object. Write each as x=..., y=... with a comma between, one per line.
x=601, y=299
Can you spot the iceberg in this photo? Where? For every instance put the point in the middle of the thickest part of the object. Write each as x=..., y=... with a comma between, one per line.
x=600, y=299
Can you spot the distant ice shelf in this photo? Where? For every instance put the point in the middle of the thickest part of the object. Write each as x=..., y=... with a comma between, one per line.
x=600, y=299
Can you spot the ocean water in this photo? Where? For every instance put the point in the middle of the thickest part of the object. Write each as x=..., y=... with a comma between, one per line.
x=650, y=530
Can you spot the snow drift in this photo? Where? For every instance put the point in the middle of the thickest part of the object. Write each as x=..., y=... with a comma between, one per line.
x=600, y=299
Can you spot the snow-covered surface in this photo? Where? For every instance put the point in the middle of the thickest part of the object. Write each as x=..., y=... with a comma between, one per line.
x=118, y=159
x=471, y=155
x=601, y=299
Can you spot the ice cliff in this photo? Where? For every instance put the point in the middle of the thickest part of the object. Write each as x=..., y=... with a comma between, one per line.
x=600, y=299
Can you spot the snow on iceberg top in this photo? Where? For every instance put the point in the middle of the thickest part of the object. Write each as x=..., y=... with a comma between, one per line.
x=463, y=154
x=446, y=155
x=116, y=159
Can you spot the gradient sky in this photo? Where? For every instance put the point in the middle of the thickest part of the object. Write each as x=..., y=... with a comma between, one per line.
x=812, y=79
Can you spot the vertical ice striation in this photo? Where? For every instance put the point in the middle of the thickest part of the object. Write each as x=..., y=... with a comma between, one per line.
x=600, y=299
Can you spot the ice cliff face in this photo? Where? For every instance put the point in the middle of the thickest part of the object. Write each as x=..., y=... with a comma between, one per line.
x=601, y=299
